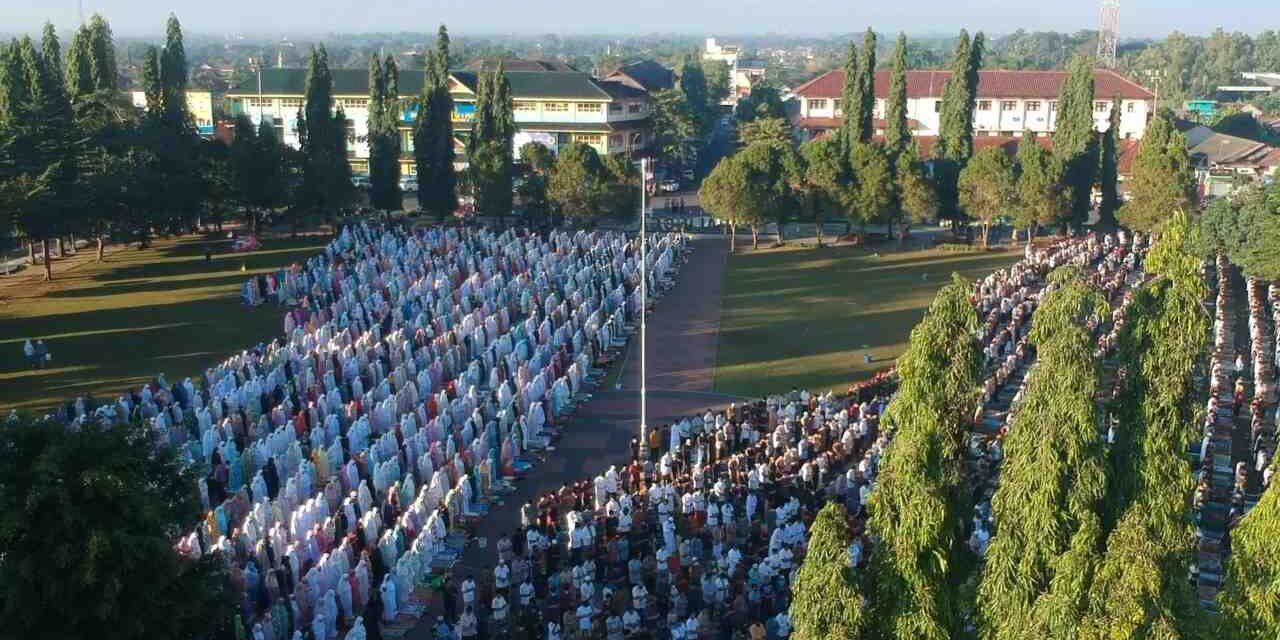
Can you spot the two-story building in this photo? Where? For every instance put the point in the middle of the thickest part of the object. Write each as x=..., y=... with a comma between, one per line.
x=199, y=103
x=1007, y=102
x=553, y=107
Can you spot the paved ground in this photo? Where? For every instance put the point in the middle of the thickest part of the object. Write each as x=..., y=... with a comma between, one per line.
x=682, y=339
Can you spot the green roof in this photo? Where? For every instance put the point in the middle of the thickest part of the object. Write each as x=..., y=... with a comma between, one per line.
x=572, y=85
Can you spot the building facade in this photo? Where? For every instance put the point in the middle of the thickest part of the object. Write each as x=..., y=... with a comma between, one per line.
x=1008, y=103
x=199, y=103
x=553, y=108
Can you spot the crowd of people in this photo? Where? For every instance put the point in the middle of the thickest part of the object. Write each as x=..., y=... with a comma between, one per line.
x=699, y=536
x=419, y=366
x=419, y=370
x=1242, y=383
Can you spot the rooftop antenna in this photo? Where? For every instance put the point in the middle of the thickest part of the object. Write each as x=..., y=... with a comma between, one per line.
x=1108, y=33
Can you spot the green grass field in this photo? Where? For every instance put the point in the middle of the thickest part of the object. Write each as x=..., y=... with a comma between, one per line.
x=804, y=317
x=114, y=325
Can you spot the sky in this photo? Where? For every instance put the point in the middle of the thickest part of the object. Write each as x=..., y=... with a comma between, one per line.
x=1138, y=18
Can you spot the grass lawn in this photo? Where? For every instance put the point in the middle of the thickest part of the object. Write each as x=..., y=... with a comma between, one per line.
x=114, y=325
x=804, y=317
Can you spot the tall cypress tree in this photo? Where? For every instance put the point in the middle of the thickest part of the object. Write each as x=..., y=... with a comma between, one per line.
x=1109, y=171
x=433, y=136
x=326, y=180
x=106, y=75
x=920, y=495
x=15, y=89
x=80, y=65
x=173, y=72
x=1074, y=139
x=152, y=84
x=384, y=185
x=897, y=132
x=867, y=84
x=955, y=129
x=850, y=102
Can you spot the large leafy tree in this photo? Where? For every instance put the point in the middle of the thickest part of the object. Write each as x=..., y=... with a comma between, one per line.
x=1042, y=197
x=777, y=170
x=771, y=130
x=693, y=85
x=536, y=164
x=1246, y=227
x=916, y=195
x=1141, y=588
x=874, y=194
x=1074, y=140
x=827, y=180
x=987, y=188
x=1053, y=479
x=920, y=495
x=433, y=136
x=673, y=122
x=1163, y=176
x=579, y=183
x=37, y=142
x=826, y=602
x=87, y=523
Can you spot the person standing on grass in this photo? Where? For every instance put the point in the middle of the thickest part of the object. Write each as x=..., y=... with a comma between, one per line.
x=29, y=351
x=42, y=355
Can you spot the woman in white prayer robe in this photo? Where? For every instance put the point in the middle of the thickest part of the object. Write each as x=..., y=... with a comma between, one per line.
x=390, y=604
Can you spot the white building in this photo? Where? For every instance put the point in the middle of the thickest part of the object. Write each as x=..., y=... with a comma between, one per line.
x=1008, y=102
x=550, y=107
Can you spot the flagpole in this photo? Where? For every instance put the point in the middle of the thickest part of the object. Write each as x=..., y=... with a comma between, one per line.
x=644, y=293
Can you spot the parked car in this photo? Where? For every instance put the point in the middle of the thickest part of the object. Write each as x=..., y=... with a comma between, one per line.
x=670, y=186
x=688, y=174
x=409, y=183
x=360, y=181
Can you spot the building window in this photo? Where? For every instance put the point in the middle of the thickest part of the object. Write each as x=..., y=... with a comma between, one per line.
x=588, y=138
x=525, y=107
x=984, y=105
x=817, y=103
x=937, y=106
x=634, y=108
x=1100, y=107
x=556, y=107
x=615, y=107
x=1128, y=107
x=261, y=102
x=589, y=107
x=835, y=105
x=353, y=103
x=1033, y=105
x=615, y=141
x=1008, y=105
x=1053, y=106
x=291, y=103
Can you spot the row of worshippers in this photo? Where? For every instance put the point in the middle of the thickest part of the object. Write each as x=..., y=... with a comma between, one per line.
x=547, y=581
x=1264, y=357
x=301, y=486
x=1227, y=397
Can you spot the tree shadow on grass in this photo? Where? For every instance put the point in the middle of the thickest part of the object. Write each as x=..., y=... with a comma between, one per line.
x=104, y=351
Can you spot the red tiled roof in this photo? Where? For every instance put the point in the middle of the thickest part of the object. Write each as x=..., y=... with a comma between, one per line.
x=995, y=83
